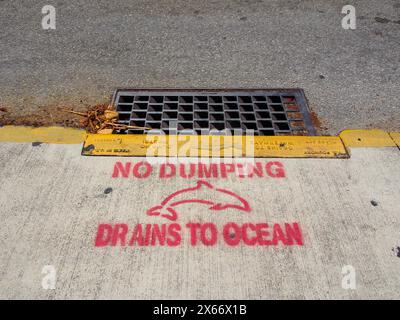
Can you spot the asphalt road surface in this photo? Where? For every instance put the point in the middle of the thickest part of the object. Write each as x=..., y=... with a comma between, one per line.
x=350, y=77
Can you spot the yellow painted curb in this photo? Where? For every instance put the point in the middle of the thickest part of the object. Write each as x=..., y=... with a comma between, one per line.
x=374, y=138
x=205, y=146
x=57, y=135
x=396, y=137
x=214, y=146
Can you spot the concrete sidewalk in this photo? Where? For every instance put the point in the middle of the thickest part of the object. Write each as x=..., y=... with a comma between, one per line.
x=81, y=216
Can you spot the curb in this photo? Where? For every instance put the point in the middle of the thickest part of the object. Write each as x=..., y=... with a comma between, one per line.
x=57, y=135
x=263, y=146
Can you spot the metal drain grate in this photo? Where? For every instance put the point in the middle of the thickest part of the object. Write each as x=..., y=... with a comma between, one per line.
x=265, y=112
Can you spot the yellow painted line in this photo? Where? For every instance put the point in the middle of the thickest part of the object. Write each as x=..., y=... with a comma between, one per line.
x=214, y=146
x=374, y=138
x=204, y=146
x=57, y=135
x=395, y=137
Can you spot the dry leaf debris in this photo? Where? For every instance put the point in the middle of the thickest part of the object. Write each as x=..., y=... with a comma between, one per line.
x=102, y=119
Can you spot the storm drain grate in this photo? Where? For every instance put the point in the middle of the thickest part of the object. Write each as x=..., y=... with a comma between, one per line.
x=264, y=112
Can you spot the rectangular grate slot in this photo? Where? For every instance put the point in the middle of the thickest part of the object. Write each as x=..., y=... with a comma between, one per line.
x=124, y=116
x=170, y=115
x=263, y=112
x=216, y=108
x=217, y=117
x=201, y=115
x=201, y=106
x=152, y=117
x=124, y=107
x=248, y=116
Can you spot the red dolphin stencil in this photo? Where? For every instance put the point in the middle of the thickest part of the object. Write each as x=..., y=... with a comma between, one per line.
x=167, y=207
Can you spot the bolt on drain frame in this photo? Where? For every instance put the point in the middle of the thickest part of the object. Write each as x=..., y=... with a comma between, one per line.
x=265, y=112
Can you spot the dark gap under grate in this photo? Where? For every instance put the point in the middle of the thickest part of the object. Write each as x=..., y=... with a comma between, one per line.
x=265, y=112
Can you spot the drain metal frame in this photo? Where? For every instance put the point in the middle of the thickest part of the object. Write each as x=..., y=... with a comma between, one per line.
x=268, y=112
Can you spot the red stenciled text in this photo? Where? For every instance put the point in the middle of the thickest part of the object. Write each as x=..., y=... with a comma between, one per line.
x=206, y=234
x=143, y=169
